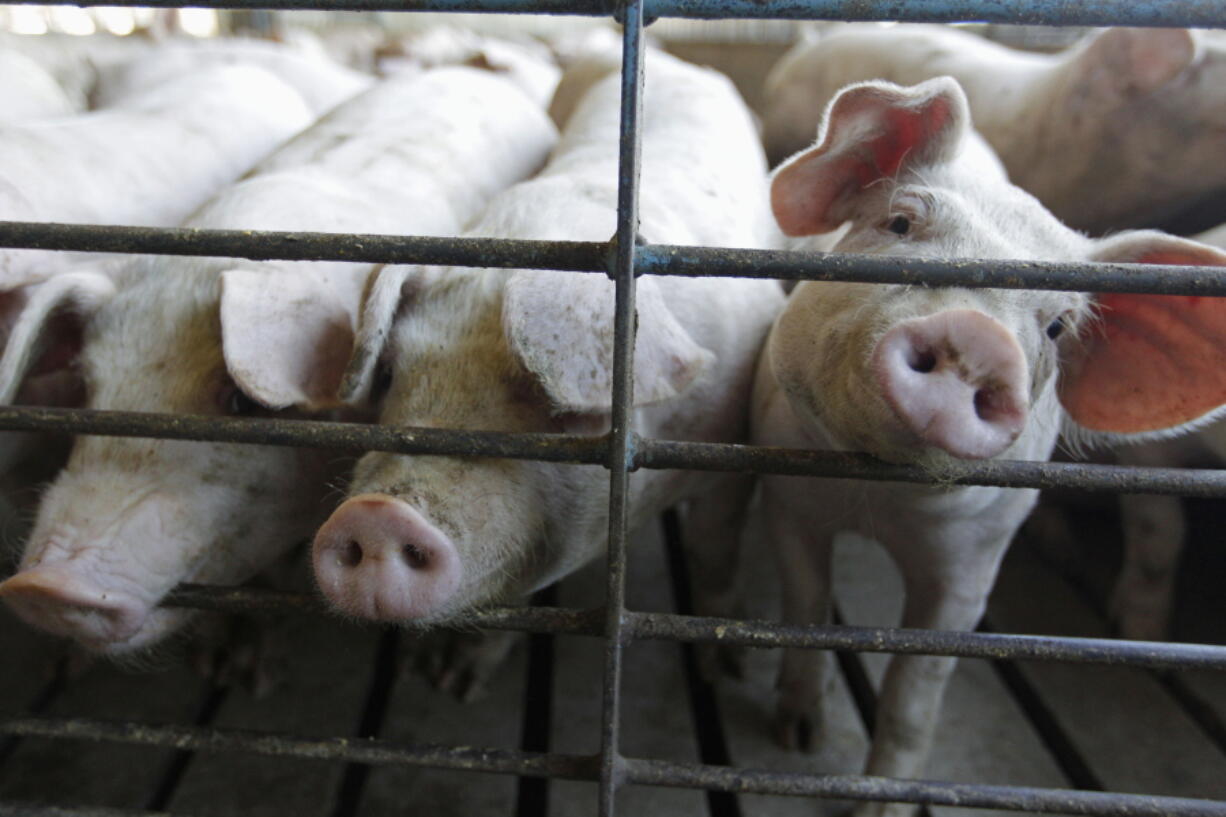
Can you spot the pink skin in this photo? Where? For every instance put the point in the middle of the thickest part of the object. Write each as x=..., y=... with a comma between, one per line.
x=57, y=598
x=957, y=379
x=376, y=557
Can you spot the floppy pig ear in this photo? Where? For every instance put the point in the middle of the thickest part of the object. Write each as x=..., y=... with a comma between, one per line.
x=386, y=288
x=870, y=132
x=43, y=323
x=286, y=337
x=561, y=327
x=1136, y=60
x=1148, y=363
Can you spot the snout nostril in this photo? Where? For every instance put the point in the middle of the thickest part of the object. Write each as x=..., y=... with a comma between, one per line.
x=416, y=558
x=922, y=360
x=351, y=556
x=988, y=404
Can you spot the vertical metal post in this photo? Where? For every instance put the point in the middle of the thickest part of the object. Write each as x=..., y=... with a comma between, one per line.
x=621, y=439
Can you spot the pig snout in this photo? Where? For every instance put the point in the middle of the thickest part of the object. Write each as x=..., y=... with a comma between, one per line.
x=58, y=599
x=378, y=558
x=957, y=380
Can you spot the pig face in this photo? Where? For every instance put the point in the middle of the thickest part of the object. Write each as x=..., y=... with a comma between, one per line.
x=926, y=375
x=428, y=538
x=128, y=519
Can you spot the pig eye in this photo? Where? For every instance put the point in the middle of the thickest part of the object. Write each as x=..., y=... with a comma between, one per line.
x=1056, y=328
x=237, y=404
x=899, y=225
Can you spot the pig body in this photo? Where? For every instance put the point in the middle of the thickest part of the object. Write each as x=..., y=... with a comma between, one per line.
x=321, y=83
x=427, y=539
x=29, y=92
x=148, y=162
x=129, y=519
x=1118, y=131
x=931, y=376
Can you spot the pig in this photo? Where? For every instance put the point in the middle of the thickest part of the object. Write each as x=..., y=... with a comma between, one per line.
x=1153, y=527
x=128, y=519
x=322, y=83
x=934, y=376
x=524, y=61
x=1123, y=130
x=427, y=539
x=148, y=162
x=29, y=92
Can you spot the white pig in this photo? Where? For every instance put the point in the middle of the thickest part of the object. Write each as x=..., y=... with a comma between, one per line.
x=1153, y=526
x=29, y=92
x=1123, y=130
x=129, y=519
x=931, y=376
x=427, y=539
x=322, y=83
x=148, y=162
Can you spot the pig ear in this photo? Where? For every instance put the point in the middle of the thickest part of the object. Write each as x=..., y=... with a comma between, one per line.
x=44, y=323
x=1148, y=364
x=871, y=131
x=1136, y=60
x=561, y=327
x=387, y=289
x=285, y=336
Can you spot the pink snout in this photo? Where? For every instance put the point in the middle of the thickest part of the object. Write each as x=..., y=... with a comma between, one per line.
x=56, y=598
x=957, y=380
x=376, y=557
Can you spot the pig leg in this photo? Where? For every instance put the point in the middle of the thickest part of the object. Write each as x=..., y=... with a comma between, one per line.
x=947, y=589
x=805, y=676
x=1154, y=529
x=1154, y=532
x=462, y=663
x=711, y=536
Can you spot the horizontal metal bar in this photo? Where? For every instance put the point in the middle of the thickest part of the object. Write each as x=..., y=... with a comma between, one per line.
x=1194, y=13
x=761, y=634
x=665, y=454
x=654, y=454
x=637, y=770
x=578, y=256
x=660, y=259
x=587, y=256
x=350, y=750
x=932, y=793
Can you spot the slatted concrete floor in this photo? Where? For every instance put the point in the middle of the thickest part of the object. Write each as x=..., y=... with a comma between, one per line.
x=1025, y=724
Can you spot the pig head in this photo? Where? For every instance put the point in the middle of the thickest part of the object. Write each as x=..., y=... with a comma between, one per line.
x=128, y=519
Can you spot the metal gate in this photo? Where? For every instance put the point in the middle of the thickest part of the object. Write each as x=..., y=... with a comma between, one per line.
x=621, y=451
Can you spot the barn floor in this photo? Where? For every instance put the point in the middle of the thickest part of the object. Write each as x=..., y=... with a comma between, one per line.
x=1039, y=724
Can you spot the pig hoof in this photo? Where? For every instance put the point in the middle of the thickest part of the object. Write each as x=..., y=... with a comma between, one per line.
x=796, y=731
x=462, y=664
x=240, y=653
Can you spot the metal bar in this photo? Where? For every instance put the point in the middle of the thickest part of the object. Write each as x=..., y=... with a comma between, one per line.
x=649, y=453
x=588, y=256
x=637, y=770
x=932, y=793
x=580, y=256
x=760, y=634
x=1193, y=13
x=621, y=435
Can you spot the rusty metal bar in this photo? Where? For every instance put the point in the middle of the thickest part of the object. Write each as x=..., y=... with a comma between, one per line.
x=1195, y=13
x=637, y=770
x=586, y=256
x=760, y=634
x=20, y=809
x=621, y=435
x=655, y=454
